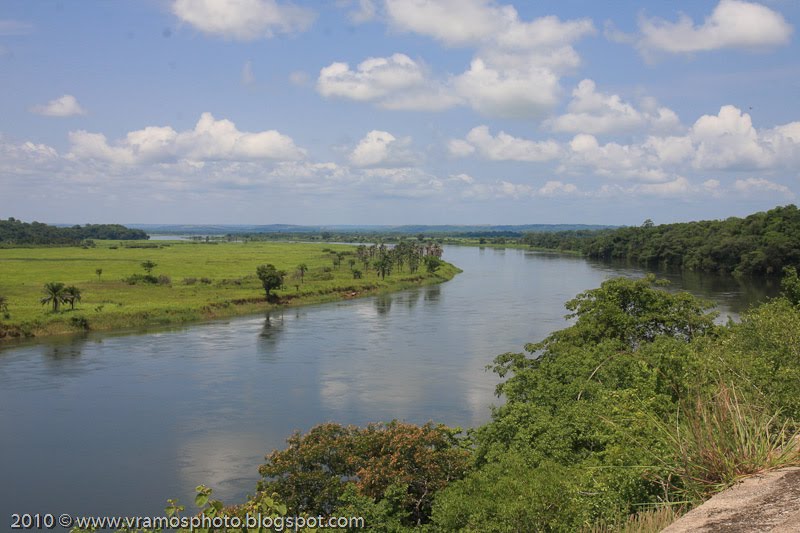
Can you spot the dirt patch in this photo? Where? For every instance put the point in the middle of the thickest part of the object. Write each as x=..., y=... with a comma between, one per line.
x=767, y=502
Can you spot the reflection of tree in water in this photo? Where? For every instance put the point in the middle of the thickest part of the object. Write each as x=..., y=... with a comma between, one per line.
x=64, y=349
x=271, y=331
x=383, y=304
x=432, y=293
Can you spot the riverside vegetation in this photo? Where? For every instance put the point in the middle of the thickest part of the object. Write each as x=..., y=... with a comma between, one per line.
x=641, y=408
x=129, y=284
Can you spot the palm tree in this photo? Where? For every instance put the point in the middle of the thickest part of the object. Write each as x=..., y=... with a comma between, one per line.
x=53, y=294
x=72, y=294
x=302, y=268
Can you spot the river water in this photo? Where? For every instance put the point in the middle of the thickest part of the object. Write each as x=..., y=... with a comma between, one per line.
x=116, y=424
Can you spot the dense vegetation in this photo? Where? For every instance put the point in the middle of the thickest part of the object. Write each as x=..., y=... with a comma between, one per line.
x=14, y=233
x=127, y=284
x=639, y=408
x=760, y=244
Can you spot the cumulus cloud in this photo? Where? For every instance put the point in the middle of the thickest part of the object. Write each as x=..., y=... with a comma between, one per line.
x=480, y=22
x=725, y=141
x=243, y=19
x=381, y=148
x=503, y=147
x=210, y=140
x=732, y=24
x=63, y=106
x=594, y=112
x=508, y=93
x=394, y=82
x=515, y=72
x=729, y=140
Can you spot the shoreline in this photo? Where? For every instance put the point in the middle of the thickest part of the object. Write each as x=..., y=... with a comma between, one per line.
x=120, y=323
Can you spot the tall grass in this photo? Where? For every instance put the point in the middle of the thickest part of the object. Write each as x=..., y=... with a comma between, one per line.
x=720, y=438
x=650, y=520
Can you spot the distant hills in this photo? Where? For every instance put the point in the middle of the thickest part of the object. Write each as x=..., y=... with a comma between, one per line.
x=429, y=230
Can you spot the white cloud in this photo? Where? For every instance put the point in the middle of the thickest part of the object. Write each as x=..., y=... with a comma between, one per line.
x=394, y=82
x=732, y=24
x=509, y=93
x=557, y=188
x=63, y=106
x=729, y=140
x=760, y=186
x=594, y=112
x=503, y=147
x=381, y=148
x=514, y=74
x=243, y=19
x=480, y=22
x=613, y=160
x=363, y=13
x=210, y=140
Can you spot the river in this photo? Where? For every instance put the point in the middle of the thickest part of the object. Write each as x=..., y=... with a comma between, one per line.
x=116, y=424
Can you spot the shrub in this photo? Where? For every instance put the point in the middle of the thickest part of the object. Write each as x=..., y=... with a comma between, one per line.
x=79, y=322
x=189, y=281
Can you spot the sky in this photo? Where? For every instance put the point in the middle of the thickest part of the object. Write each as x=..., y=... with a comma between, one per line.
x=397, y=111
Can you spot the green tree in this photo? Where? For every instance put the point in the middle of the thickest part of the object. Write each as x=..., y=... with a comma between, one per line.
x=99, y=273
x=432, y=263
x=4, y=305
x=53, y=294
x=148, y=266
x=72, y=295
x=383, y=265
x=271, y=278
x=402, y=462
x=790, y=285
x=302, y=268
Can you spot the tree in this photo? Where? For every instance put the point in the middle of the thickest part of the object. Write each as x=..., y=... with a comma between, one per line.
x=432, y=263
x=99, y=273
x=72, y=295
x=398, y=461
x=383, y=265
x=4, y=305
x=148, y=266
x=53, y=294
x=271, y=278
x=302, y=268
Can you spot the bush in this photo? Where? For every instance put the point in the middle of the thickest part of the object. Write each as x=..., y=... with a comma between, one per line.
x=205, y=281
x=79, y=322
x=164, y=280
x=189, y=281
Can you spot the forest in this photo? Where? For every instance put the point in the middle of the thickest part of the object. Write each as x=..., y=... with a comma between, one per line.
x=14, y=232
x=759, y=244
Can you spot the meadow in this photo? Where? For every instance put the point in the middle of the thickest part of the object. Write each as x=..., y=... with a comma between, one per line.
x=198, y=281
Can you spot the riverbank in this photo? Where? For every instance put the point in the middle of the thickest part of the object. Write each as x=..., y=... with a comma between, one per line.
x=189, y=282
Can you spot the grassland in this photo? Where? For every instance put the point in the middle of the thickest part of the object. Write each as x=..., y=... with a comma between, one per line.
x=206, y=281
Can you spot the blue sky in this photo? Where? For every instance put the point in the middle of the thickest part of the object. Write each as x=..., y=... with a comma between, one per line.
x=397, y=112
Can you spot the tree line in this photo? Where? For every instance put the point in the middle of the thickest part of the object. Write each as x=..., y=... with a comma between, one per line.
x=14, y=232
x=760, y=244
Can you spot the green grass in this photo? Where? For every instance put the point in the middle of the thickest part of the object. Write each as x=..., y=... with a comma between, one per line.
x=109, y=303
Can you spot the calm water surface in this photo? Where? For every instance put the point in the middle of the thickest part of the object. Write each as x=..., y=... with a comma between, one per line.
x=119, y=423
